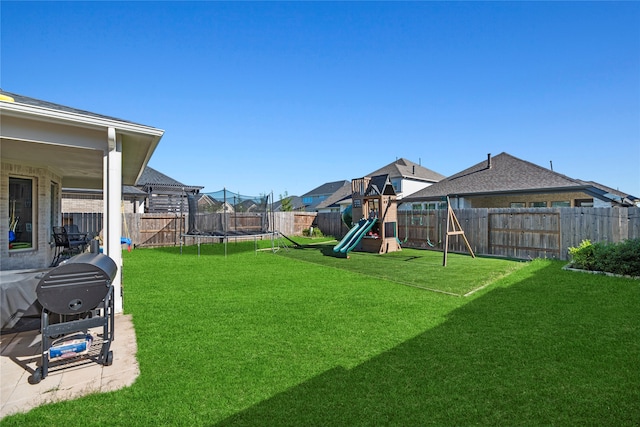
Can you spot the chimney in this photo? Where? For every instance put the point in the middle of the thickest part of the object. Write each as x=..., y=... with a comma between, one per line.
x=489, y=161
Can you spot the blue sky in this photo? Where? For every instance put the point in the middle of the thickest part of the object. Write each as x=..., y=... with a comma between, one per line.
x=274, y=96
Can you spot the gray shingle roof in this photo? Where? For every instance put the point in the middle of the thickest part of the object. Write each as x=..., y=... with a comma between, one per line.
x=403, y=168
x=327, y=188
x=610, y=190
x=151, y=177
x=340, y=194
x=21, y=99
x=296, y=204
x=506, y=174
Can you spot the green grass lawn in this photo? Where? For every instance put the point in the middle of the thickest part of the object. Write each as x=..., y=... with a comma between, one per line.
x=413, y=267
x=300, y=338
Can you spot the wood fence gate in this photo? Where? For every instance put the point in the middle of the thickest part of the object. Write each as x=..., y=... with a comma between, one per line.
x=524, y=234
x=155, y=229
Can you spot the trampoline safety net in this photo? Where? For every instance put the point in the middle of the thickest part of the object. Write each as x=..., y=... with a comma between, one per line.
x=225, y=213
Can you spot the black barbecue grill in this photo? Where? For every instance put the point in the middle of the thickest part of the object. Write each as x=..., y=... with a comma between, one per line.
x=80, y=292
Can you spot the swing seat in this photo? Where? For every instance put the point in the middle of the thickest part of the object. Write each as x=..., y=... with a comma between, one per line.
x=126, y=241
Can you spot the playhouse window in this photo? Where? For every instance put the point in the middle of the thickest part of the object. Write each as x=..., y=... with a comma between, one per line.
x=21, y=213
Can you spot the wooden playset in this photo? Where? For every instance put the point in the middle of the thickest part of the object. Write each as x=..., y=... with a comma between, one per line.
x=374, y=199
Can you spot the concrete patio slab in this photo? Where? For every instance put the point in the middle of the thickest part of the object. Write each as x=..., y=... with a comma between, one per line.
x=20, y=356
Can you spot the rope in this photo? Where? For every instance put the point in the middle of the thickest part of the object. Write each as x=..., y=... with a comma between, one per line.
x=428, y=239
x=127, y=237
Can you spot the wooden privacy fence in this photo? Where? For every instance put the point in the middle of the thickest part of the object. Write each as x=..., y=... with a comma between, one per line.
x=330, y=223
x=165, y=229
x=520, y=233
x=144, y=229
x=154, y=229
x=293, y=223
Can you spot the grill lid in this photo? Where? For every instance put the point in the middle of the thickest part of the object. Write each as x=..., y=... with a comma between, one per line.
x=77, y=285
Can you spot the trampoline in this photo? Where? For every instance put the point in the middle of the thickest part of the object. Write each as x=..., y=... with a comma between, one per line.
x=221, y=216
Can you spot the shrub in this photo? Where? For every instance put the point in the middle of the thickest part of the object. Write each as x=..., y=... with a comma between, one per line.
x=618, y=258
x=583, y=255
x=315, y=233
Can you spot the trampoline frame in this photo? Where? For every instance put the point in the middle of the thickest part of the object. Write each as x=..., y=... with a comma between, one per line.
x=223, y=236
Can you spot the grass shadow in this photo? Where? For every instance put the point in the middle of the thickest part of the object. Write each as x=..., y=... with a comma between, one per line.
x=525, y=354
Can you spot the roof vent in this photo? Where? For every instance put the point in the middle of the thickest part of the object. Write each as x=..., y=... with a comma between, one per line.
x=489, y=161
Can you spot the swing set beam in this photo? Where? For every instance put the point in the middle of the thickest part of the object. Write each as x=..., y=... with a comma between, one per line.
x=453, y=229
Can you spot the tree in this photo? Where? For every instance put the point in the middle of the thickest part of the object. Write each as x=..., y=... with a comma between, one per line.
x=285, y=203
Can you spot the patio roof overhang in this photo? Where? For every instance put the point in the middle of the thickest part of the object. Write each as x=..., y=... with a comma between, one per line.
x=85, y=150
x=73, y=144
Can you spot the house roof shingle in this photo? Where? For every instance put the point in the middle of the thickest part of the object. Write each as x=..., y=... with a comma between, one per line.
x=500, y=174
x=53, y=106
x=326, y=188
x=339, y=195
x=152, y=178
x=403, y=168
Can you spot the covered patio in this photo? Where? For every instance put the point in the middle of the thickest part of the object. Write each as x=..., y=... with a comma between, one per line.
x=43, y=148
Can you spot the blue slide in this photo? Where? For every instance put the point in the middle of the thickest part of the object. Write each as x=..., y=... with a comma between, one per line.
x=353, y=237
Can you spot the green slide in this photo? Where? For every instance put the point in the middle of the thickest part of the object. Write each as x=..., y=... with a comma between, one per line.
x=346, y=238
x=357, y=236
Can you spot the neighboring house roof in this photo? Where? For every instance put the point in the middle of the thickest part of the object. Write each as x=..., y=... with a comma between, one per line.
x=406, y=169
x=338, y=196
x=322, y=192
x=503, y=173
x=616, y=195
x=130, y=190
x=151, y=178
x=326, y=188
x=296, y=204
x=210, y=204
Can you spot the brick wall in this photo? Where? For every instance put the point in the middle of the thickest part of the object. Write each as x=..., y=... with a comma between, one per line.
x=79, y=203
x=505, y=201
x=40, y=255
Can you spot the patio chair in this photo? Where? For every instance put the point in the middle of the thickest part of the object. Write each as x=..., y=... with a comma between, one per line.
x=74, y=233
x=67, y=245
